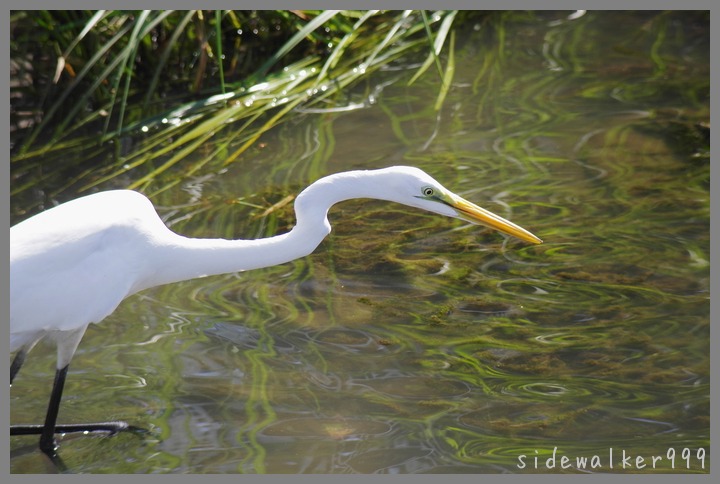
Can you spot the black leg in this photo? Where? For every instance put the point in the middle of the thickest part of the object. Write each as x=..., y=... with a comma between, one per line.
x=17, y=363
x=50, y=428
x=47, y=437
x=110, y=427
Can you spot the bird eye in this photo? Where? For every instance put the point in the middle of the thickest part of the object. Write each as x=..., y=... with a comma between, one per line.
x=428, y=191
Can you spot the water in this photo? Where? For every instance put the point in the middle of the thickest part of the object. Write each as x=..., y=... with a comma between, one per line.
x=409, y=343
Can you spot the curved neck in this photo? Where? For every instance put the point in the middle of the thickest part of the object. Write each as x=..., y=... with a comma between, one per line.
x=181, y=258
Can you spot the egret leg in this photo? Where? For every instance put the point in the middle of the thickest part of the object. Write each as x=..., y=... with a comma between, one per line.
x=47, y=437
x=67, y=343
x=17, y=363
x=50, y=428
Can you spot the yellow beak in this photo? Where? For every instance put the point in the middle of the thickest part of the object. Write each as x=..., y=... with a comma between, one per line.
x=472, y=213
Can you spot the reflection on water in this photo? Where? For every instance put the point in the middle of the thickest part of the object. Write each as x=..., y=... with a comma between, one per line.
x=410, y=343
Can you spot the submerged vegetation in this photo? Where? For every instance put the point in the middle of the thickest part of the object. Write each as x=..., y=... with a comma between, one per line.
x=147, y=89
x=408, y=343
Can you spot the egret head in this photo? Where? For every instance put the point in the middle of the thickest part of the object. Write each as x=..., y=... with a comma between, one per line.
x=412, y=186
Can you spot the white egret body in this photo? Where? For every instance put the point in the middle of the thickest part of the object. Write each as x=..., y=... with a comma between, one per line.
x=72, y=265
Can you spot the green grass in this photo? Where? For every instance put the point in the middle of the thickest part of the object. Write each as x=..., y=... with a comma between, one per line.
x=170, y=81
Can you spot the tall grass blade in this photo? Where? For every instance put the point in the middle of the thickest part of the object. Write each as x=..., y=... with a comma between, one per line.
x=179, y=30
x=49, y=115
x=340, y=48
x=295, y=40
x=437, y=43
x=219, y=53
x=80, y=104
x=126, y=71
x=89, y=25
x=448, y=75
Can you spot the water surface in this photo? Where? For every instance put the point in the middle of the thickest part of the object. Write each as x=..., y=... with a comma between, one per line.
x=409, y=343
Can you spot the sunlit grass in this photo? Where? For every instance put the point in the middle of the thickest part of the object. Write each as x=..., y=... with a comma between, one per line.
x=109, y=60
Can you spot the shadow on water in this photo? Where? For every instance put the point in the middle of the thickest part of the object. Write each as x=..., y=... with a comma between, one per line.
x=413, y=344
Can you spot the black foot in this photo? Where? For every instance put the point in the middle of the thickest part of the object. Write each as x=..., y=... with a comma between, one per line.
x=111, y=427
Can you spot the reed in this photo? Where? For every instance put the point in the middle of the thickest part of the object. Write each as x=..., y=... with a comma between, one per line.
x=168, y=82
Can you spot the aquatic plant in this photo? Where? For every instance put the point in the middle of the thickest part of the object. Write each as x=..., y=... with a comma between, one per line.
x=147, y=89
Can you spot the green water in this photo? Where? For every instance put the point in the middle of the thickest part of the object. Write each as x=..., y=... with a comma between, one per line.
x=409, y=343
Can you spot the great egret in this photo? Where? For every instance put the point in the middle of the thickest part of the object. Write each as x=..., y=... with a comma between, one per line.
x=73, y=264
